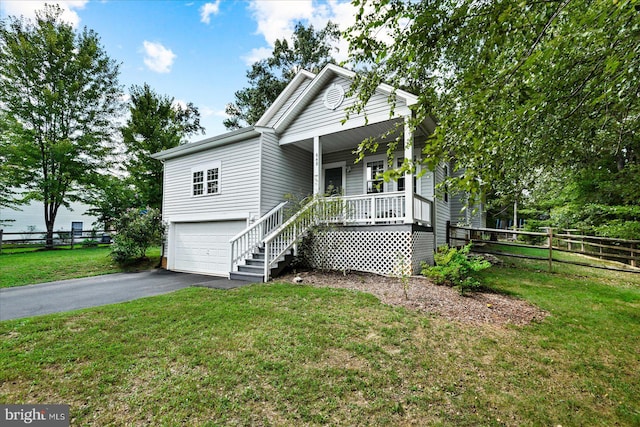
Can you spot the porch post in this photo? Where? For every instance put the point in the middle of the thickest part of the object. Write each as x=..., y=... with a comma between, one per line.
x=317, y=166
x=408, y=176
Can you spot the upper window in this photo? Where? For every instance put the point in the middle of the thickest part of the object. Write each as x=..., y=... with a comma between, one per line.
x=205, y=179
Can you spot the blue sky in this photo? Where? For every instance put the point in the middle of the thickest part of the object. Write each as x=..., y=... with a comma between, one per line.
x=194, y=51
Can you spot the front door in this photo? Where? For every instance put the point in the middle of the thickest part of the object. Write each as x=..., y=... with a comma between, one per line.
x=333, y=181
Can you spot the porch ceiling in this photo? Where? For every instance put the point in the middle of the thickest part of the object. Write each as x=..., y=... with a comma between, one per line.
x=349, y=139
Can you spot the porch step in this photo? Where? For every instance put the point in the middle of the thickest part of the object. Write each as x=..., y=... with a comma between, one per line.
x=249, y=277
x=253, y=269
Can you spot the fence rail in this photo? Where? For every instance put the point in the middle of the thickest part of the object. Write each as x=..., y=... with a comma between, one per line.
x=619, y=254
x=37, y=239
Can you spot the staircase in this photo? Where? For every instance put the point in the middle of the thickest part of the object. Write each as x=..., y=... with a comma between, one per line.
x=253, y=268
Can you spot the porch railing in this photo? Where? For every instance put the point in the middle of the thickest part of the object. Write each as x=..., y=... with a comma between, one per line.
x=246, y=241
x=380, y=208
x=422, y=210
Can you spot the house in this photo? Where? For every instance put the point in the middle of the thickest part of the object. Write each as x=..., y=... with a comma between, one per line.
x=224, y=197
x=17, y=223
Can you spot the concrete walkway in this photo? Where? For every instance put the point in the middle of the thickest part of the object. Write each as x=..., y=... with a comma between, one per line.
x=67, y=295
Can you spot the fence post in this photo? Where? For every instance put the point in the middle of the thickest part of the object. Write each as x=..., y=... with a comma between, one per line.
x=550, y=232
x=71, y=239
x=1, y=230
x=631, y=252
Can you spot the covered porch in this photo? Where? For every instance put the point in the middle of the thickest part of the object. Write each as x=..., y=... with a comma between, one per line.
x=366, y=199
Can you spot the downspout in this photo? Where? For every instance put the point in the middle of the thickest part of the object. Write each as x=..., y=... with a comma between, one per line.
x=435, y=212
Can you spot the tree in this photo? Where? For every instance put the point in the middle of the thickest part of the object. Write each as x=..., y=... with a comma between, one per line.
x=156, y=123
x=60, y=90
x=111, y=196
x=518, y=89
x=311, y=51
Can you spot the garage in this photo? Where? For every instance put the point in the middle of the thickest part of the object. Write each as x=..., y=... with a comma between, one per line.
x=203, y=247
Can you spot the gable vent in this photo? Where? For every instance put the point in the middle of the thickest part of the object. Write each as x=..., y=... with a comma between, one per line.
x=333, y=96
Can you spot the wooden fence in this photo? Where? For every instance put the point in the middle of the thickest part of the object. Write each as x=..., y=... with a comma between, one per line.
x=590, y=251
x=38, y=239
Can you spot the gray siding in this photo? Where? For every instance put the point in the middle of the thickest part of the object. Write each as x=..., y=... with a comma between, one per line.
x=442, y=210
x=355, y=178
x=290, y=101
x=317, y=116
x=285, y=170
x=238, y=182
x=458, y=202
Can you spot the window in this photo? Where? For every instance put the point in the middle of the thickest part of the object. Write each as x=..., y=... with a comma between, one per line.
x=76, y=228
x=446, y=184
x=400, y=181
x=205, y=179
x=375, y=183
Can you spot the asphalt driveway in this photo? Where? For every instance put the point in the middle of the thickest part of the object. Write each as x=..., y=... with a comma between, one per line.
x=67, y=295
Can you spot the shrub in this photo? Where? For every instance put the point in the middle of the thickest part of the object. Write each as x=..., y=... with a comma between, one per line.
x=454, y=267
x=138, y=229
x=90, y=243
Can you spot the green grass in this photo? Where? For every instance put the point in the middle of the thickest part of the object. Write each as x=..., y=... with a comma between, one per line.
x=557, y=255
x=25, y=268
x=295, y=355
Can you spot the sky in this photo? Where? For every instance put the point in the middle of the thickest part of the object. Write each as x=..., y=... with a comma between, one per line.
x=193, y=51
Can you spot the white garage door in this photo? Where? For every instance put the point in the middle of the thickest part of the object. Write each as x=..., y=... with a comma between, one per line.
x=203, y=247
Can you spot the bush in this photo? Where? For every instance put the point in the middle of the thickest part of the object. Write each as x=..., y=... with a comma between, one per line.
x=137, y=230
x=454, y=267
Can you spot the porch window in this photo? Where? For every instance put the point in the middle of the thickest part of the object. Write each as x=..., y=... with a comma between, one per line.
x=375, y=183
x=205, y=179
x=400, y=182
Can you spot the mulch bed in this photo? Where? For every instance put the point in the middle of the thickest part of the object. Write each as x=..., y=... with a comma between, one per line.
x=478, y=308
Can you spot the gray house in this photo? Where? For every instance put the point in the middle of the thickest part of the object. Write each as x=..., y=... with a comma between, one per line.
x=224, y=197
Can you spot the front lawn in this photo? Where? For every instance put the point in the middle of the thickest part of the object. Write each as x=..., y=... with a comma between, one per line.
x=281, y=354
x=26, y=268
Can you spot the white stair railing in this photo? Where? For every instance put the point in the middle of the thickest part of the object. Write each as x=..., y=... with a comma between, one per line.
x=243, y=244
x=389, y=208
x=288, y=234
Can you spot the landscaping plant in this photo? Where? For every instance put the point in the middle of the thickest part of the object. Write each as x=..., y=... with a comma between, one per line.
x=137, y=230
x=455, y=267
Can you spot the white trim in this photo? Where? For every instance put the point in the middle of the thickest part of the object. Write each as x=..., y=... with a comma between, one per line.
x=232, y=137
x=352, y=123
x=205, y=168
x=320, y=79
x=374, y=158
x=261, y=143
x=317, y=165
x=284, y=95
x=333, y=165
x=207, y=217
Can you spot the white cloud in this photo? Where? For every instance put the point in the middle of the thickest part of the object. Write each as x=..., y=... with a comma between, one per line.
x=157, y=57
x=28, y=8
x=179, y=104
x=257, y=54
x=277, y=19
x=210, y=112
x=209, y=9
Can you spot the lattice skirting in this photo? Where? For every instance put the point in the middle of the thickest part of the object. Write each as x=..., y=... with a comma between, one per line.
x=391, y=253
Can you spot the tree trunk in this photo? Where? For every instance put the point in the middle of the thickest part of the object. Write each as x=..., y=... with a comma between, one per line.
x=49, y=243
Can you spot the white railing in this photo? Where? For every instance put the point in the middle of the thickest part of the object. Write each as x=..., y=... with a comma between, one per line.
x=243, y=244
x=422, y=210
x=281, y=240
x=374, y=208
x=382, y=208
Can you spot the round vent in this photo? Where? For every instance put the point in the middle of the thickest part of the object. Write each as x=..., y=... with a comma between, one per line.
x=333, y=97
